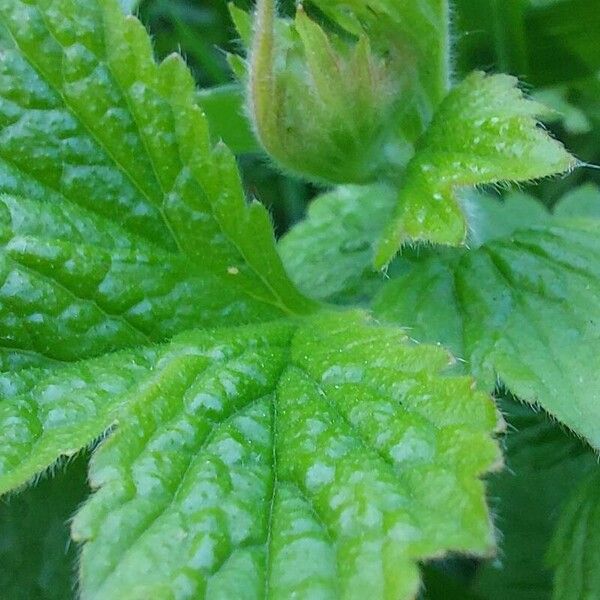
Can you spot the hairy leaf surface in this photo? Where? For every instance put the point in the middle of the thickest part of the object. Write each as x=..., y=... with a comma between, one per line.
x=485, y=131
x=523, y=309
x=238, y=451
x=520, y=305
x=329, y=255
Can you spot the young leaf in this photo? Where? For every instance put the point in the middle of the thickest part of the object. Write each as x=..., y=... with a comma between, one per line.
x=523, y=309
x=329, y=255
x=575, y=550
x=520, y=305
x=485, y=131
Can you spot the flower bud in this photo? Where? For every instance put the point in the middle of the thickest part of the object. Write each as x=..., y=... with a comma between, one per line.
x=321, y=104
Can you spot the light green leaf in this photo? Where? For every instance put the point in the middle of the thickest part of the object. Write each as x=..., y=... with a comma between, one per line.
x=491, y=217
x=329, y=254
x=544, y=463
x=520, y=305
x=227, y=442
x=575, y=550
x=523, y=309
x=253, y=465
x=485, y=131
x=48, y=414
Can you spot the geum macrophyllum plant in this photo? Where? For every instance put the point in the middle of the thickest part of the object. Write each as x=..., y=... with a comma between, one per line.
x=256, y=442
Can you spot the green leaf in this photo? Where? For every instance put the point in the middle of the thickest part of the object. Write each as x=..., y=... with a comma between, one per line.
x=93, y=130
x=227, y=442
x=520, y=305
x=544, y=463
x=582, y=202
x=523, y=309
x=484, y=132
x=37, y=559
x=329, y=254
x=575, y=550
x=240, y=429
x=491, y=218
x=252, y=465
x=76, y=286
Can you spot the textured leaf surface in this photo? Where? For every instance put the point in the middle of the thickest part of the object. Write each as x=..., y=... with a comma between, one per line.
x=329, y=255
x=575, y=551
x=485, y=131
x=238, y=452
x=92, y=129
x=228, y=455
x=544, y=465
x=523, y=309
x=520, y=305
x=75, y=286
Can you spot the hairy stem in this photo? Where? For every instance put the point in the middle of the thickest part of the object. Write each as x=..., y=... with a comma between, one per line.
x=261, y=79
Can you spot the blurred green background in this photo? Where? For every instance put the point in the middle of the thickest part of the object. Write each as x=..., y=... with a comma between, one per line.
x=554, y=47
